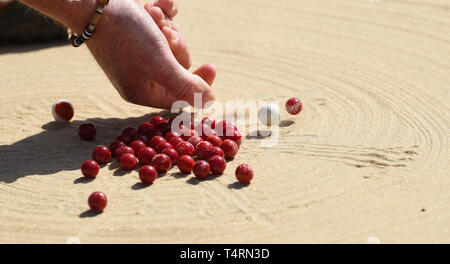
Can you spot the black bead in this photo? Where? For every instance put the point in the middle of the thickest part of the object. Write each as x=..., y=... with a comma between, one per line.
x=76, y=41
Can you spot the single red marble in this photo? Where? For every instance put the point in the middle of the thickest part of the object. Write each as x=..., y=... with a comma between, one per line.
x=146, y=155
x=215, y=140
x=230, y=148
x=87, y=131
x=185, y=163
x=202, y=149
x=97, y=201
x=294, y=106
x=129, y=132
x=90, y=169
x=158, y=122
x=244, y=173
x=146, y=128
x=101, y=154
x=201, y=169
x=185, y=148
x=128, y=161
x=156, y=140
x=148, y=174
x=137, y=145
x=217, y=164
x=161, y=162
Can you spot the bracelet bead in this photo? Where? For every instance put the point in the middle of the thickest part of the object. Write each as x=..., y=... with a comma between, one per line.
x=89, y=31
x=86, y=35
x=76, y=41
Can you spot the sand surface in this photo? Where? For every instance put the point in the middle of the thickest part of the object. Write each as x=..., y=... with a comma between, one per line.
x=367, y=158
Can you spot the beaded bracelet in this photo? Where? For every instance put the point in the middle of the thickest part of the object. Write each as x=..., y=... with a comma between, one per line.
x=75, y=40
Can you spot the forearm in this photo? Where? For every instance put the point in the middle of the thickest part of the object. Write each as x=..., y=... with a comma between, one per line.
x=74, y=14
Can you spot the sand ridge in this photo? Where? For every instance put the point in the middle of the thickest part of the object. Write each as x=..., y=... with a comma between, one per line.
x=369, y=151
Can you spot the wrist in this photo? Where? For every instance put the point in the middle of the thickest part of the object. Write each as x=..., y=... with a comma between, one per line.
x=106, y=25
x=76, y=39
x=79, y=15
x=74, y=14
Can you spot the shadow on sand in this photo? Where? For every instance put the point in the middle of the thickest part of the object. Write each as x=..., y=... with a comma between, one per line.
x=237, y=185
x=22, y=48
x=58, y=147
x=89, y=213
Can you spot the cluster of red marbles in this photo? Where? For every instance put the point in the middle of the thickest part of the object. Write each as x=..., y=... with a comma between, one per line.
x=154, y=146
x=201, y=149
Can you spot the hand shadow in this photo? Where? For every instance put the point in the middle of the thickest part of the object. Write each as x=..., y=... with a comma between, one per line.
x=59, y=148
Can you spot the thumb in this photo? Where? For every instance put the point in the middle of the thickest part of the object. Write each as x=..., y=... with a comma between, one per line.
x=207, y=72
x=181, y=83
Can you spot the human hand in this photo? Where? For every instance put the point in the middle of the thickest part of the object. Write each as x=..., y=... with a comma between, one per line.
x=145, y=56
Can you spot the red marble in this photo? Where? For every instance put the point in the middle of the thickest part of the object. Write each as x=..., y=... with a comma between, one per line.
x=90, y=169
